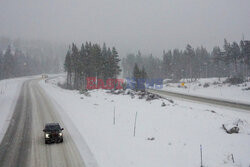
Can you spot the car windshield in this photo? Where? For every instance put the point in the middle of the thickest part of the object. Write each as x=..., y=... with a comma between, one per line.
x=52, y=127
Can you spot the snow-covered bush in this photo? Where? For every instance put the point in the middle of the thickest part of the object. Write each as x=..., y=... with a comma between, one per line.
x=84, y=92
x=234, y=80
x=64, y=86
x=248, y=88
x=206, y=85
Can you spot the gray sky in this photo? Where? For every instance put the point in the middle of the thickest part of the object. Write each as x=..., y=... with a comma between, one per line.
x=130, y=25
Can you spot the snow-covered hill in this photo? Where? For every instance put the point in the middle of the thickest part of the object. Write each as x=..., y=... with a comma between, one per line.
x=165, y=136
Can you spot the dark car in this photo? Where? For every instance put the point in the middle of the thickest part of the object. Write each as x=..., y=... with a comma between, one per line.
x=53, y=133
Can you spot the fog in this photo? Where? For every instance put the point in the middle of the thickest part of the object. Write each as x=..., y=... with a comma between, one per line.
x=130, y=25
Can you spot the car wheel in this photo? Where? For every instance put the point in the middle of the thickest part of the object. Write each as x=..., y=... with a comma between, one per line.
x=61, y=140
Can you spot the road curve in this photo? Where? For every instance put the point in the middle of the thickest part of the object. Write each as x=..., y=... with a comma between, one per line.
x=163, y=93
x=23, y=144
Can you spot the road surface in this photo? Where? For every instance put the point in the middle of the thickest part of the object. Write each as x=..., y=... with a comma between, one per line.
x=23, y=144
x=201, y=99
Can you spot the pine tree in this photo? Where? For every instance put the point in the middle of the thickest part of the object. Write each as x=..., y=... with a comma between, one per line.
x=83, y=65
x=190, y=55
x=235, y=56
x=8, y=61
x=75, y=65
x=167, y=63
x=1, y=65
x=128, y=65
x=68, y=67
x=105, y=65
x=177, y=65
x=115, y=68
x=108, y=70
x=87, y=59
x=227, y=54
x=217, y=59
x=232, y=54
x=245, y=55
x=143, y=73
x=98, y=61
x=136, y=76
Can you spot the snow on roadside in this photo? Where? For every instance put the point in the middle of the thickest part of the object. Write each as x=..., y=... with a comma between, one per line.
x=9, y=93
x=165, y=136
x=215, y=89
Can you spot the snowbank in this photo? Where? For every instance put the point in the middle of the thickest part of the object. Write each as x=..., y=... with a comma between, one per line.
x=9, y=92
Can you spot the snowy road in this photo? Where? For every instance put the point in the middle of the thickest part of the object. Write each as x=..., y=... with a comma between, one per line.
x=202, y=99
x=23, y=143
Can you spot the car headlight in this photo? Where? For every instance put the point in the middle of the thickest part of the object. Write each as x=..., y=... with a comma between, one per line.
x=60, y=134
x=46, y=135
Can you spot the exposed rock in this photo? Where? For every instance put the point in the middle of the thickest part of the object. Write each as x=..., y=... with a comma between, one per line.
x=163, y=104
x=234, y=129
x=246, y=88
x=206, y=85
x=151, y=138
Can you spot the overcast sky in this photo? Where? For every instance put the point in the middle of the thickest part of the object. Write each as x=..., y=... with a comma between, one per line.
x=130, y=25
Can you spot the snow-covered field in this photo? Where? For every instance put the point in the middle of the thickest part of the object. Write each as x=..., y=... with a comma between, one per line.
x=165, y=136
x=9, y=92
x=216, y=89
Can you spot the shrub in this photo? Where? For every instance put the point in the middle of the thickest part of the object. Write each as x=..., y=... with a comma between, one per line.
x=206, y=85
x=84, y=92
x=246, y=88
x=64, y=86
x=234, y=80
x=216, y=83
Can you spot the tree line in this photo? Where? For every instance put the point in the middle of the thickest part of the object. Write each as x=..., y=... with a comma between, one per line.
x=91, y=60
x=232, y=60
x=139, y=77
x=150, y=64
x=14, y=63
